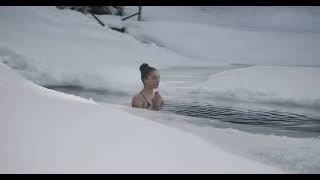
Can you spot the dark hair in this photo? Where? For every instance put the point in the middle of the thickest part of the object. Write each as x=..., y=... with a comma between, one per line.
x=145, y=70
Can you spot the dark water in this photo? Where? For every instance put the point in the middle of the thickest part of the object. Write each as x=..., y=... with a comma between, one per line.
x=258, y=118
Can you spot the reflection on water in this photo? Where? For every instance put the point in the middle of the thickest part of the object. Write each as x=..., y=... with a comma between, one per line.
x=260, y=118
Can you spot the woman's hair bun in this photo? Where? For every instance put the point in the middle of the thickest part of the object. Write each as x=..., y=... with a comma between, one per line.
x=143, y=67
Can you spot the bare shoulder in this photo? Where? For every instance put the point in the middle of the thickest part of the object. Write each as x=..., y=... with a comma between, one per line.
x=137, y=101
x=137, y=97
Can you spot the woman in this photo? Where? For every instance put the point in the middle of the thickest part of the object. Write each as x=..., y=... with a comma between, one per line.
x=147, y=98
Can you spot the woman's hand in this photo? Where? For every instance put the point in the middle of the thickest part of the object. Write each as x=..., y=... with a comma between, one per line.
x=157, y=101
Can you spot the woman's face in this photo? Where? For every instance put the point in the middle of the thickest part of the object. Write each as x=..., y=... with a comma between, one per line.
x=152, y=80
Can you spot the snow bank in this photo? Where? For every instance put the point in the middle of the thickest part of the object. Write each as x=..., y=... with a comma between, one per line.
x=63, y=47
x=292, y=154
x=263, y=18
x=252, y=35
x=43, y=131
x=295, y=86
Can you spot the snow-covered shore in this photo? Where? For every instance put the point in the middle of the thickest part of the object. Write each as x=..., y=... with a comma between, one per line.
x=43, y=131
x=46, y=131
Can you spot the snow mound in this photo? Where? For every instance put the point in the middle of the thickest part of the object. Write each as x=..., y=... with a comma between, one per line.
x=295, y=86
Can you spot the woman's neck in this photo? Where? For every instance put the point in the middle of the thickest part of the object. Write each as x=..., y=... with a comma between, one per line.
x=147, y=91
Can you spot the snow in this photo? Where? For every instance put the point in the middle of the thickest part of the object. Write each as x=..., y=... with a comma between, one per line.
x=64, y=47
x=102, y=64
x=45, y=132
x=280, y=43
x=272, y=36
x=111, y=21
x=274, y=84
x=296, y=155
x=262, y=18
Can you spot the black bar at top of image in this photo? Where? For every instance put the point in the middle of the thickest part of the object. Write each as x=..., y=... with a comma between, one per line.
x=164, y=2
